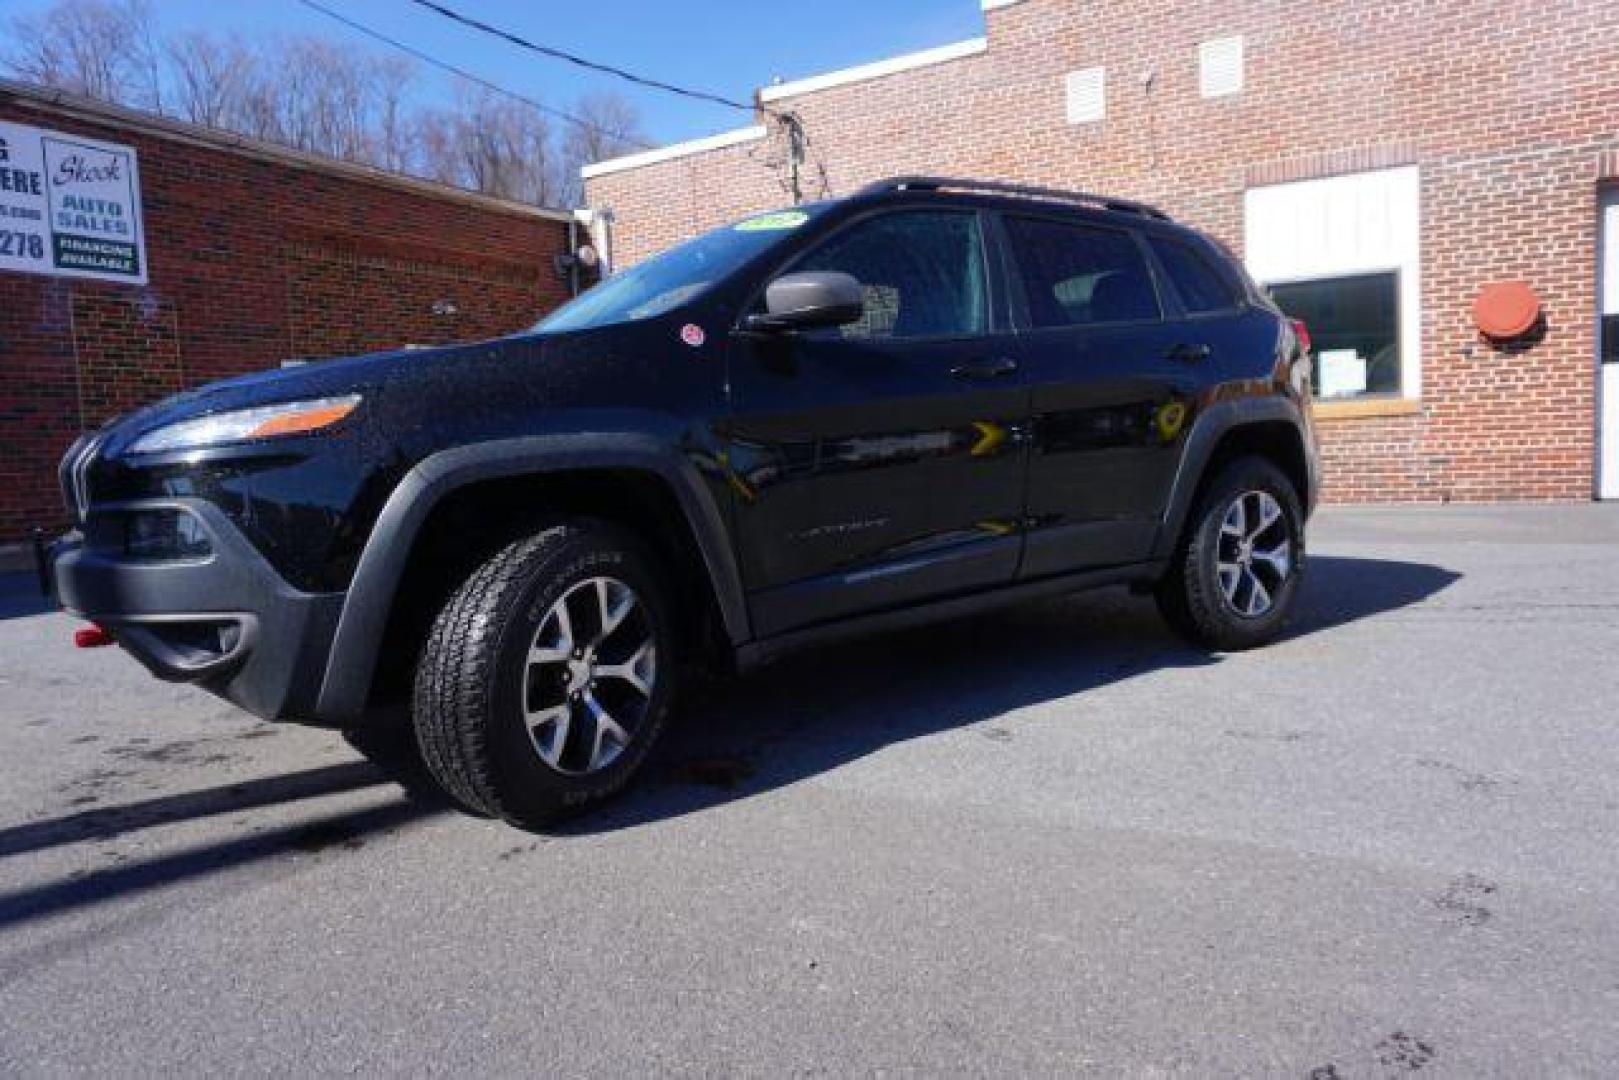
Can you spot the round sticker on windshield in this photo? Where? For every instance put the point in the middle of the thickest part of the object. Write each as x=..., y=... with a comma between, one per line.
x=692, y=335
x=778, y=221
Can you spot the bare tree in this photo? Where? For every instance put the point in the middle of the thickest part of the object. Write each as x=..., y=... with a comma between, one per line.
x=309, y=94
x=317, y=95
x=610, y=126
x=492, y=144
x=98, y=48
x=391, y=81
x=146, y=58
x=211, y=79
x=509, y=152
x=436, y=133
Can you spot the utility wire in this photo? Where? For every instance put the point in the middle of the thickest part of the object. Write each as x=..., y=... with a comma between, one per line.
x=442, y=65
x=790, y=122
x=591, y=65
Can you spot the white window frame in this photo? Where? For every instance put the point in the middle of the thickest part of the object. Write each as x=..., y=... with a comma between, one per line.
x=1343, y=226
x=1607, y=374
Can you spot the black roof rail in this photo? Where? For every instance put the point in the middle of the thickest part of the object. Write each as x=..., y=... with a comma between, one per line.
x=1000, y=187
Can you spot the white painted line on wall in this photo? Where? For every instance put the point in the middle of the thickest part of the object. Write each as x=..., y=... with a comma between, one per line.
x=875, y=70
x=674, y=150
x=939, y=55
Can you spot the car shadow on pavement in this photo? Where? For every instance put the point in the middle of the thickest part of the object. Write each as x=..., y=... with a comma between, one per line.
x=812, y=712
x=87, y=888
x=108, y=822
x=347, y=829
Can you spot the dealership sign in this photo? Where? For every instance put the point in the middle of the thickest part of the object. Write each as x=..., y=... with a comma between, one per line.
x=69, y=206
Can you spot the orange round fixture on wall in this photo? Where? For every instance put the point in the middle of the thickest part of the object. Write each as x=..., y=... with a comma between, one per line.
x=1506, y=309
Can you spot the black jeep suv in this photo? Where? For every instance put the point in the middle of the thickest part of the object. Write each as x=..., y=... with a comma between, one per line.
x=929, y=397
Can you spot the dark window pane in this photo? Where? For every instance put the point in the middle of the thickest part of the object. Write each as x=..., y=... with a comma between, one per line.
x=1075, y=275
x=922, y=274
x=1201, y=287
x=1354, y=323
x=1610, y=339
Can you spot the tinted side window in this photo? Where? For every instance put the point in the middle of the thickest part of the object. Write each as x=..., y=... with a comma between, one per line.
x=922, y=273
x=1080, y=275
x=1202, y=288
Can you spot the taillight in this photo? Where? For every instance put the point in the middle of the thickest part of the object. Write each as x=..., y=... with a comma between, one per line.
x=1302, y=332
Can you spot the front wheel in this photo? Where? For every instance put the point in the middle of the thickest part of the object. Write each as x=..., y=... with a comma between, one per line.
x=547, y=676
x=1234, y=578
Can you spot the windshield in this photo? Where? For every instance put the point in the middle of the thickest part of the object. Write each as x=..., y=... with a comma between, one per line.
x=664, y=281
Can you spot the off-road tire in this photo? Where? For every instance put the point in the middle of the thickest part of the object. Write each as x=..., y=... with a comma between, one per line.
x=1190, y=595
x=467, y=707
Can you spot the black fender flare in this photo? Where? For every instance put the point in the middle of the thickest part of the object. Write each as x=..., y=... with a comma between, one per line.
x=1212, y=425
x=353, y=657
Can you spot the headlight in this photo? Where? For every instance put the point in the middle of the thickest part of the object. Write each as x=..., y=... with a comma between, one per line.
x=265, y=422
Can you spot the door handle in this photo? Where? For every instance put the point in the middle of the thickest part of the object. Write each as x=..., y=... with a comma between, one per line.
x=987, y=367
x=1187, y=352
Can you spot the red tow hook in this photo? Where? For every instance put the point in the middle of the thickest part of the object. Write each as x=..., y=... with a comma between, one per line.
x=92, y=636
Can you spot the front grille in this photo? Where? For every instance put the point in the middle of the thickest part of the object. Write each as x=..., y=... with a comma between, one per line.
x=75, y=475
x=64, y=475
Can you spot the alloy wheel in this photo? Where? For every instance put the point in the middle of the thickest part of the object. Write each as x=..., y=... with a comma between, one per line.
x=1255, y=553
x=589, y=676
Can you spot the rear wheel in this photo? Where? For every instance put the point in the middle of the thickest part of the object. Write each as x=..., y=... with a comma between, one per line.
x=1233, y=580
x=547, y=676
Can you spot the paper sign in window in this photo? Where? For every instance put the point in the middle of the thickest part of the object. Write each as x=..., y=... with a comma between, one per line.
x=1343, y=373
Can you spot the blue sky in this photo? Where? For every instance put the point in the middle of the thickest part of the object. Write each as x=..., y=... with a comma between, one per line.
x=727, y=46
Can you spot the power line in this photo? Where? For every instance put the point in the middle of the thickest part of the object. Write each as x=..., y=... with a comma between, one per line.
x=442, y=65
x=790, y=122
x=590, y=65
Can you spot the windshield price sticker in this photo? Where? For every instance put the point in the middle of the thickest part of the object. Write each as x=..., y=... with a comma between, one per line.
x=69, y=206
x=776, y=222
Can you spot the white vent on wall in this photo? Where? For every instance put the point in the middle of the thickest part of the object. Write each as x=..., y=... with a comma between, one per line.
x=1220, y=66
x=1087, y=95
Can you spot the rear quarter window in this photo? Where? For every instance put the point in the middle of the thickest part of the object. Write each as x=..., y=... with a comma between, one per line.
x=1081, y=275
x=1202, y=287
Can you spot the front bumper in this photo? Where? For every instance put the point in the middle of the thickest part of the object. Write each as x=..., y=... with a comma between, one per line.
x=225, y=621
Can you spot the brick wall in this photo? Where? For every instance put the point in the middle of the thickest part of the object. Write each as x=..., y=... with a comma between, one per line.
x=256, y=256
x=1507, y=110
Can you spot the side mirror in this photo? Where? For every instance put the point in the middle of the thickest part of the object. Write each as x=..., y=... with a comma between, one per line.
x=807, y=300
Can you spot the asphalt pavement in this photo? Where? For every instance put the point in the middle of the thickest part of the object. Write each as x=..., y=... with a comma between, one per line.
x=1049, y=841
